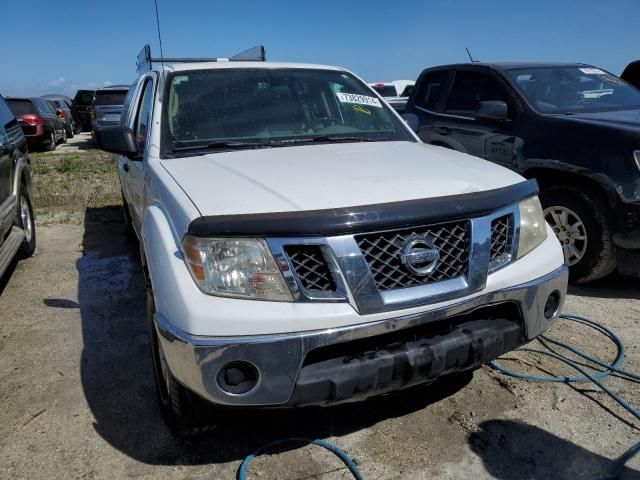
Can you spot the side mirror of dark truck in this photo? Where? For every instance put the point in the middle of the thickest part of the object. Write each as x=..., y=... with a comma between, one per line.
x=117, y=139
x=494, y=110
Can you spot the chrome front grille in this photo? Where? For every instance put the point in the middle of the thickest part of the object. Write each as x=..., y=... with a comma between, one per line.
x=501, y=238
x=311, y=267
x=386, y=270
x=382, y=252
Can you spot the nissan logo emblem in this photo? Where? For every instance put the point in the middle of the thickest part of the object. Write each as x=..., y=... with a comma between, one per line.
x=420, y=256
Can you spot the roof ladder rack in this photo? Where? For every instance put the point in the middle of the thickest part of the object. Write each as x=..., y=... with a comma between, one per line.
x=145, y=60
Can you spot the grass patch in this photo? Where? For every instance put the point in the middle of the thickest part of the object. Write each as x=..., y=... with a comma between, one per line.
x=75, y=181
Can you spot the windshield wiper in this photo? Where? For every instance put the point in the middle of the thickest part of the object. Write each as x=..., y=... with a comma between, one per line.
x=223, y=145
x=327, y=138
x=229, y=145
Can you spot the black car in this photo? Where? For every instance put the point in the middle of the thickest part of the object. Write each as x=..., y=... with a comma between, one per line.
x=64, y=114
x=17, y=231
x=82, y=103
x=573, y=127
x=40, y=122
x=71, y=117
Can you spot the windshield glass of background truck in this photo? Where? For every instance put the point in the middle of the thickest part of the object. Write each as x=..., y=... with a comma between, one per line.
x=574, y=89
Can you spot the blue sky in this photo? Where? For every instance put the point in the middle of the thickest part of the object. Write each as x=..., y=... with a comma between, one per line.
x=62, y=46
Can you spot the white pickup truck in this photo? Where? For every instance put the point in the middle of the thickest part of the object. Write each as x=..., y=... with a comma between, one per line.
x=301, y=246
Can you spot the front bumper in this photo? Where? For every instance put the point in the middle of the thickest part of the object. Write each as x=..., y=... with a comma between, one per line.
x=287, y=379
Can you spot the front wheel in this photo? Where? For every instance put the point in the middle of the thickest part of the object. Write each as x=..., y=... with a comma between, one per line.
x=64, y=136
x=24, y=220
x=184, y=413
x=578, y=216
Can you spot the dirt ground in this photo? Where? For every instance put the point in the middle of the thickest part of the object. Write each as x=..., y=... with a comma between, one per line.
x=78, y=400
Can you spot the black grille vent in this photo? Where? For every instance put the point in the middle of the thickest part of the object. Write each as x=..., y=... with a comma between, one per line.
x=311, y=268
x=501, y=235
x=382, y=252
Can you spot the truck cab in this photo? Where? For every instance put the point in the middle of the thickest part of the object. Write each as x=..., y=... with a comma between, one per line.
x=575, y=128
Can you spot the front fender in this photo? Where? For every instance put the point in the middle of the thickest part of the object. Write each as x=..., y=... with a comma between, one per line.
x=171, y=281
x=530, y=166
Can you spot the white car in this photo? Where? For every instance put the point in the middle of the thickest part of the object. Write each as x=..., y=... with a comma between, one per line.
x=301, y=246
x=395, y=93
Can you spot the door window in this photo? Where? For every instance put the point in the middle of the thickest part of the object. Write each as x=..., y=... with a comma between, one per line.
x=471, y=88
x=144, y=115
x=6, y=115
x=431, y=89
x=125, y=117
x=42, y=107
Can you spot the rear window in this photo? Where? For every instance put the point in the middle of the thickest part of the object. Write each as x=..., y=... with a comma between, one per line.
x=386, y=90
x=21, y=107
x=84, y=98
x=110, y=97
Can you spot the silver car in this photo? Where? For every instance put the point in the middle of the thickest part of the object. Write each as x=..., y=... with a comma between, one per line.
x=107, y=106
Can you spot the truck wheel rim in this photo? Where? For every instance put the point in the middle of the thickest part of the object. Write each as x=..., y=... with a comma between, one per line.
x=570, y=231
x=25, y=218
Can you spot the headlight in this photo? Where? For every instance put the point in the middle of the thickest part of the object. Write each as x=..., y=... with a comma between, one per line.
x=235, y=267
x=533, y=229
x=636, y=155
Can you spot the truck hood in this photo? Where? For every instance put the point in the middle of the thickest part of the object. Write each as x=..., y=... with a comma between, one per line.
x=330, y=176
x=623, y=119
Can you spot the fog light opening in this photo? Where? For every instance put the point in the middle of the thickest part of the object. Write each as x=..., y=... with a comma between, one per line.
x=238, y=377
x=552, y=305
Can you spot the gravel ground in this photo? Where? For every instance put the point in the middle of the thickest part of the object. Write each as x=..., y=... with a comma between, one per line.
x=78, y=399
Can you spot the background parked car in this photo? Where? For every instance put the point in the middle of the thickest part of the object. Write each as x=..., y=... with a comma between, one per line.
x=40, y=124
x=631, y=74
x=107, y=106
x=17, y=232
x=82, y=103
x=395, y=93
x=573, y=127
x=66, y=104
x=64, y=113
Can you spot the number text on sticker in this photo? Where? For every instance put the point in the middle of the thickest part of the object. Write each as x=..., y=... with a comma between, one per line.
x=359, y=99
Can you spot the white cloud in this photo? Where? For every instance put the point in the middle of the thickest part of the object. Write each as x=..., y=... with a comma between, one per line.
x=107, y=83
x=57, y=82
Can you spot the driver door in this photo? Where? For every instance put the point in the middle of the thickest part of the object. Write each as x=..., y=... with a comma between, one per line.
x=487, y=139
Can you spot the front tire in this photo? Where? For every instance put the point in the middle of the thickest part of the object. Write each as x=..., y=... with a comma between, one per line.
x=24, y=220
x=185, y=413
x=578, y=216
x=64, y=136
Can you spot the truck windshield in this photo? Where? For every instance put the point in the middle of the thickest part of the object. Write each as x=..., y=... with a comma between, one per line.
x=574, y=89
x=272, y=107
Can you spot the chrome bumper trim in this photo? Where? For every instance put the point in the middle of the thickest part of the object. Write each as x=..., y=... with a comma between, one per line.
x=195, y=361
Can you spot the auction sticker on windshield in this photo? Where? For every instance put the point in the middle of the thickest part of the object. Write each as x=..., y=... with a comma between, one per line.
x=358, y=99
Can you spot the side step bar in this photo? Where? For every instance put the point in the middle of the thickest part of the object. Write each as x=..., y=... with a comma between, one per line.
x=10, y=247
